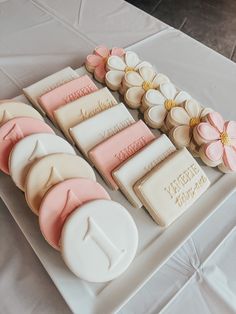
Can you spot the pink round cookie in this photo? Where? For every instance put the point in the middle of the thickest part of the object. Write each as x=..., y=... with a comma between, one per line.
x=61, y=200
x=13, y=131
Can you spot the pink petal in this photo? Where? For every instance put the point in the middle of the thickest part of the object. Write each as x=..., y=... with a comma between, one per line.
x=214, y=151
x=117, y=52
x=207, y=132
x=216, y=120
x=94, y=60
x=100, y=72
x=102, y=51
x=230, y=127
x=229, y=158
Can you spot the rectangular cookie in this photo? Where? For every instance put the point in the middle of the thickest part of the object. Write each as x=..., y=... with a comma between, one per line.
x=109, y=154
x=93, y=131
x=66, y=93
x=141, y=163
x=170, y=188
x=83, y=108
x=34, y=91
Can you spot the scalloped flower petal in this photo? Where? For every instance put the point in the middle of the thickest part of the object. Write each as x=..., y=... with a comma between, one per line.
x=229, y=158
x=154, y=97
x=214, y=151
x=131, y=59
x=180, y=116
x=216, y=120
x=193, y=108
x=94, y=60
x=100, y=72
x=102, y=51
x=181, y=97
x=133, y=96
x=181, y=136
x=230, y=127
x=117, y=52
x=133, y=78
x=116, y=63
x=156, y=115
x=168, y=90
x=147, y=73
x=114, y=78
x=207, y=132
x=160, y=79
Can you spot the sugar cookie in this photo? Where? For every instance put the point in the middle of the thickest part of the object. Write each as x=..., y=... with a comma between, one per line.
x=96, y=62
x=99, y=241
x=50, y=170
x=138, y=165
x=30, y=149
x=13, y=131
x=93, y=131
x=109, y=154
x=66, y=93
x=81, y=109
x=159, y=103
x=217, y=140
x=12, y=109
x=172, y=187
x=61, y=200
x=34, y=91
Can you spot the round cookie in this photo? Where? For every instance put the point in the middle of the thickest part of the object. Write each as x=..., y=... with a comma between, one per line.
x=50, y=170
x=13, y=131
x=61, y=200
x=32, y=147
x=99, y=241
x=10, y=110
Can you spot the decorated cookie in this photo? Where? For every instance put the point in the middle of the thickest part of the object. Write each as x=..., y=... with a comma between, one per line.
x=34, y=91
x=117, y=68
x=81, y=109
x=13, y=131
x=111, y=153
x=66, y=93
x=12, y=109
x=160, y=102
x=95, y=130
x=183, y=120
x=129, y=172
x=170, y=188
x=99, y=241
x=217, y=140
x=50, y=170
x=96, y=62
x=140, y=82
x=61, y=200
x=31, y=148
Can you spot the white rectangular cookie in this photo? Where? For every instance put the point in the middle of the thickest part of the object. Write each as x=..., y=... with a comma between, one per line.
x=82, y=109
x=34, y=91
x=172, y=187
x=141, y=163
x=94, y=130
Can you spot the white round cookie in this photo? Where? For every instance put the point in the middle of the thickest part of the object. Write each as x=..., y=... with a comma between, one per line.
x=50, y=170
x=29, y=149
x=99, y=241
x=12, y=109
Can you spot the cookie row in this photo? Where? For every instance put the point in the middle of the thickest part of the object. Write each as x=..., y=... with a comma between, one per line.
x=124, y=151
x=175, y=112
x=76, y=214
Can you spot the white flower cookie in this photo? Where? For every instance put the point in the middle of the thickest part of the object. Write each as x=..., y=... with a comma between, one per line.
x=118, y=66
x=138, y=83
x=161, y=102
x=183, y=120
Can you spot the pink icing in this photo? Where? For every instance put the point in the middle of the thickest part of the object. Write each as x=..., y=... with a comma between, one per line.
x=230, y=127
x=229, y=158
x=207, y=132
x=66, y=93
x=14, y=130
x=216, y=120
x=61, y=200
x=214, y=151
x=115, y=150
x=98, y=59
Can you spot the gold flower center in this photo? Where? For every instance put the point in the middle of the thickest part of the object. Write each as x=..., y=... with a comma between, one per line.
x=194, y=121
x=225, y=139
x=169, y=104
x=147, y=85
x=129, y=69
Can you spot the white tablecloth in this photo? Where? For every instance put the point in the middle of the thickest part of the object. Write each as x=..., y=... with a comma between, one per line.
x=39, y=37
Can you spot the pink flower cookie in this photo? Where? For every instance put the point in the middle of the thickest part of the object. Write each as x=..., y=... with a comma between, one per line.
x=96, y=62
x=217, y=140
x=182, y=121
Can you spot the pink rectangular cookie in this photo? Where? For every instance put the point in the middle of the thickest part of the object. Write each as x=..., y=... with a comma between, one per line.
x=109, y=154
x=66, y=93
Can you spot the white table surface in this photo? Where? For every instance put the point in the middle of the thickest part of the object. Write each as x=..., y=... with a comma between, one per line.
x=39, y=37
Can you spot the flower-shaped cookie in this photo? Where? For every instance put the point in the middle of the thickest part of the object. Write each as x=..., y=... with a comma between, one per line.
x=183, y=120
x=138, y=83
x=96, y=62
x=161, y=102
x=217, y=139
x=117, y=67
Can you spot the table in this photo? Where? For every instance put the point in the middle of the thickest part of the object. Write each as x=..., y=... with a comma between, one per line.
x=39, y=37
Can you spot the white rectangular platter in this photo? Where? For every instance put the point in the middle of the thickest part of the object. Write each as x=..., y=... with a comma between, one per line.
x=156, y=244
